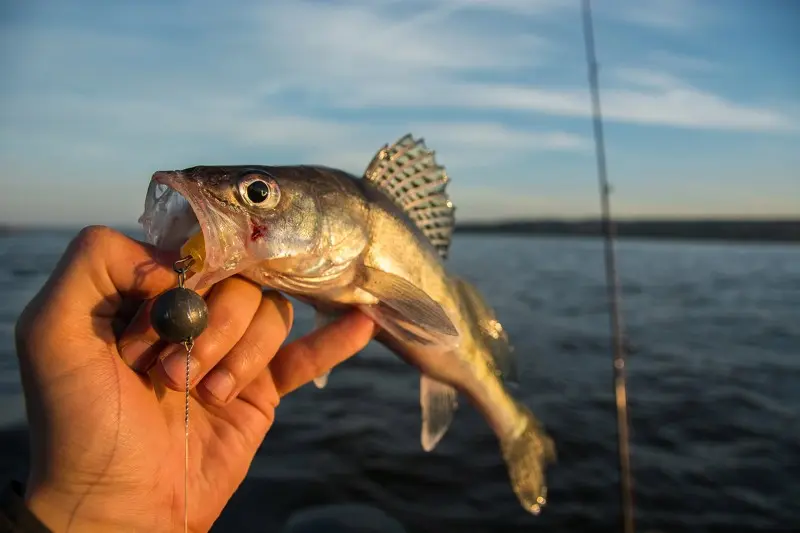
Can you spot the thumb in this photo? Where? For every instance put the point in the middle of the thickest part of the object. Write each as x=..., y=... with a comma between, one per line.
x=99, y=270
x=102, y=267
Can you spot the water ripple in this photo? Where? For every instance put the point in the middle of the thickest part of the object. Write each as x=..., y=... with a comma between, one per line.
x=713, y=393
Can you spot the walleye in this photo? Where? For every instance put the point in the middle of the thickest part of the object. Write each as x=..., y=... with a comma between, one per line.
x=378, y=243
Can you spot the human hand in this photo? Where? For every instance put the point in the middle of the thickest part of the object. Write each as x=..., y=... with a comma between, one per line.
x=107, y=443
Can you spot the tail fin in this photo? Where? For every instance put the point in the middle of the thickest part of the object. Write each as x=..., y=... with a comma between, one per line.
x=526, y=453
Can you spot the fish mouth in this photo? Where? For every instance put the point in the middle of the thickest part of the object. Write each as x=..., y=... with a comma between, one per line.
x=176, y=210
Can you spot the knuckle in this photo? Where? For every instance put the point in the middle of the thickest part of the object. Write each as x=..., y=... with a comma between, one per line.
x=29, y=330
x=223, y=321
x=30, y=326
x=93, y=239
x=91, y=236
x=247, y=358
x=300, y=354
x=207, y=346
x=308, y=361
x=23, y=327
x=216, y=343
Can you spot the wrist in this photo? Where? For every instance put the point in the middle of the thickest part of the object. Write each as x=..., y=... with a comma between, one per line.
x=60, y=512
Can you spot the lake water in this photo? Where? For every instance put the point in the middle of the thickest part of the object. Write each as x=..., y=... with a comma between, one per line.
x=714, y=391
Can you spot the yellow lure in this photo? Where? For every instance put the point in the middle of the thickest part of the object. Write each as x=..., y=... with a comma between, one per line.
x=195, y=247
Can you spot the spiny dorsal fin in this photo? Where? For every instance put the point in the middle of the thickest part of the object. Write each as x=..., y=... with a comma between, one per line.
x=407, y=173
x=492, y=332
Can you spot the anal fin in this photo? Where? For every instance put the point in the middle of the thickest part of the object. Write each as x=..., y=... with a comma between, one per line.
x=439, y=402
x=493, y=334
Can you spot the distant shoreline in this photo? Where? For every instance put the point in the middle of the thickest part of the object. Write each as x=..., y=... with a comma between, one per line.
x=742, y=230
x=725, y=230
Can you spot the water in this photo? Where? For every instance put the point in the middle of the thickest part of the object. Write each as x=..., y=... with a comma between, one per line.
x=714, y=388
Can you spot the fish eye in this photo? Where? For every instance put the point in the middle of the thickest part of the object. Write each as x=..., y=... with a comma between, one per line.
x=259, y=190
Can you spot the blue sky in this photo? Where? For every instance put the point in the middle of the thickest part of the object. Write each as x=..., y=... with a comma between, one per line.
x=701, y=100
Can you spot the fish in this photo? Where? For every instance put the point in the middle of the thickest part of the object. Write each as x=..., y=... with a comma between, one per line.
x=378, y=242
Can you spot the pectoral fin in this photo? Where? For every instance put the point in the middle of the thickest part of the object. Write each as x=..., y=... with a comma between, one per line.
x=407, y=312
x=438, y=401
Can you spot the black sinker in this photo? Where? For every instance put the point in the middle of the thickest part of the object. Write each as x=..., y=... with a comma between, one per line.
x=179, y=315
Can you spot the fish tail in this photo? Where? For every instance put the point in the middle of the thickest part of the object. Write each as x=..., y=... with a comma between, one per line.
x=526, y=453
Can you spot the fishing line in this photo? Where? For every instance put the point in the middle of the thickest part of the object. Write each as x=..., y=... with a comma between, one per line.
x=188, y=345
x=179, y=316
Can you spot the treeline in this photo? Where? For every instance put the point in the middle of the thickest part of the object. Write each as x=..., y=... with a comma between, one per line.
x=728, y=230
x=725, y=230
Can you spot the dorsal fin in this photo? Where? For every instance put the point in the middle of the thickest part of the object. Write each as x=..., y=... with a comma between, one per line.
x=407, y=173
x=492, y=332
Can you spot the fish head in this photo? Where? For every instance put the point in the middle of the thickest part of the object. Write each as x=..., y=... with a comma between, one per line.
x=286, y=220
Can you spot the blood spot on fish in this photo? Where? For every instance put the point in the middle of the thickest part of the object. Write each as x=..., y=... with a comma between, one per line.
x=257, y=232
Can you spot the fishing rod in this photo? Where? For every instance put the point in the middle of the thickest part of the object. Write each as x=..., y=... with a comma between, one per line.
x=612, y=285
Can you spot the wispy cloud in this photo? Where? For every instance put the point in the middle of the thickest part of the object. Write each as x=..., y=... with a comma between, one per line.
x=648, y=100
x=295, y=71
x=420, y=63
x=672, y=15
x=682, y=62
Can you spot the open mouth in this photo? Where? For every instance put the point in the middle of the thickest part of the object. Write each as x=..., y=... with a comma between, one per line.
x=179, y=220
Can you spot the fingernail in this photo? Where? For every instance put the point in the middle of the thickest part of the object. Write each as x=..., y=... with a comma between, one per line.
x=175, y=367
x=220, y=384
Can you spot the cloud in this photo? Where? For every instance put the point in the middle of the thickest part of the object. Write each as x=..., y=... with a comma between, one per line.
x=650, y=100
x=463, y=146
x=670, y=15
x=423, y=63
x=478, y=135
x=682, y=63
x=291, y=73
x=281, y=83
x=348, y=45
x=488, y=83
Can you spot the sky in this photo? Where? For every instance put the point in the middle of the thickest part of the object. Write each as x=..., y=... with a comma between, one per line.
x=701, y=100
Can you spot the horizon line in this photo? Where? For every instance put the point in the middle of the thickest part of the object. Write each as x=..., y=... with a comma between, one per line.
x=664, y=219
